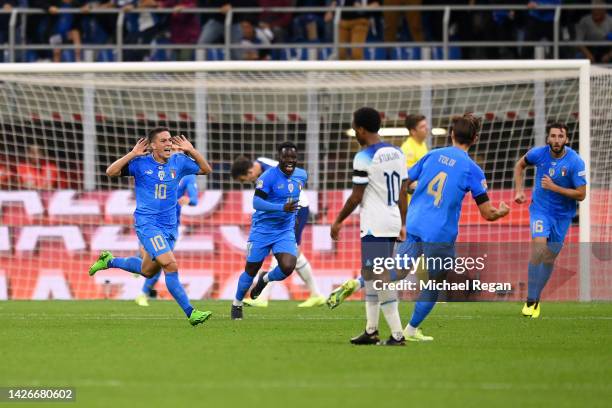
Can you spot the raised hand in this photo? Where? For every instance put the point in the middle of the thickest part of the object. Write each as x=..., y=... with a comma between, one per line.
x=519, y=197
x=141, y=148
x=182, y=143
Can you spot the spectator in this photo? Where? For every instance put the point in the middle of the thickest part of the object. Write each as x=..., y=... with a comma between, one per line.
x=254, y=36
x=354, y=26
x=184, y=28
x=143, y=27
x=309, y=26
x=475, y=25
x=65, y=27
x=596, y=26
x=37, y=172
x=540, y=24
x=393, y=19
x=214, y=28
x=505, y=28
x=279, y=23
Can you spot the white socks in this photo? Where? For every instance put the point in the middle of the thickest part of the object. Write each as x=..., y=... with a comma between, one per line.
x=303, y=269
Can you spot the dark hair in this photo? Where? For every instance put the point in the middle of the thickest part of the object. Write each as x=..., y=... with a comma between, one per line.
x=286, y=145
x=241, y=166
x=465, y=128
x=556, y=125
x=155, y=131
x=367, y=118
x=413, y=120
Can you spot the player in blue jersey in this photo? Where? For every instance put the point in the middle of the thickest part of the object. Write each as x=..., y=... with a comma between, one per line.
x=188, y=195
x=246, y=170
x=156, y=177
x=560, y=181
x=444, y=177
x=277, y=193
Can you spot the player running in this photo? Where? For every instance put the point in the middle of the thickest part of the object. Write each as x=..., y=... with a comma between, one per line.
x=156, y=178
x=275, y=201
x=245, y=170
x=414, y=149
x=560, y=181
x=380, y=186
x=188, y=195
x=444, y=177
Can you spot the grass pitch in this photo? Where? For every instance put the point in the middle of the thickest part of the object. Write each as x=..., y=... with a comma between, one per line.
x=117, y=354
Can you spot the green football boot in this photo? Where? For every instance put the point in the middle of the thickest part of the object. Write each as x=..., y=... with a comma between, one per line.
x=102, y=263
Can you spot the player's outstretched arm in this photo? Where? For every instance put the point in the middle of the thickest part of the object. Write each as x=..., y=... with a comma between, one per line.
x=140, y=149
x=403, y=207
x=186, y=147
x=519, y=179
x=490, y=213
x=351, y=203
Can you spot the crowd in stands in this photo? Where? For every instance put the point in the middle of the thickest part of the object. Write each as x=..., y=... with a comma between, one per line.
x=251, y=32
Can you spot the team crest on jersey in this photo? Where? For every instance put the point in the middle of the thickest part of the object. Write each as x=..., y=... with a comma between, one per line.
x=551, y=172
x=173, y=173
x=290, y=187
x=259, y=184
x=149, y=172
x=161, y=174
x=563, y=171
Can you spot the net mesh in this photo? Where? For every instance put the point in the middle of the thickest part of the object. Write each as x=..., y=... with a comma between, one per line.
x=60, y=131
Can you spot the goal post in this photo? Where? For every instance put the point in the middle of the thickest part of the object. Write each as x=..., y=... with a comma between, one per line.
x=82, y=116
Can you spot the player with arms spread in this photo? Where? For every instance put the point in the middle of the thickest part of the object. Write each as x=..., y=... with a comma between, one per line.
x=560, y=181
x=156, y=178
x=444, y=177
x=275, y=201
x=380, y=186
x=246, y=170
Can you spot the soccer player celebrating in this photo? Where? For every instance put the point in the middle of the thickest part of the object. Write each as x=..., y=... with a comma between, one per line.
x=156, y=178
x=414, y=149
x=275, y=201
x=444, y=177
x=245, y=170
x=560, y=181
x=379, y=184
x=188, y=195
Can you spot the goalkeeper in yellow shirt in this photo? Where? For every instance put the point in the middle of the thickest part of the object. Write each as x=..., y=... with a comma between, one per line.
x=414, y=148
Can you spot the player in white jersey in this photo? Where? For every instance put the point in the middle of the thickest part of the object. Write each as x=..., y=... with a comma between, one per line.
x=379, y=185
x=246, y=170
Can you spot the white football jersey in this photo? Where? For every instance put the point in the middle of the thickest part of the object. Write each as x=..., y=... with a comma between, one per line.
x=382, y=167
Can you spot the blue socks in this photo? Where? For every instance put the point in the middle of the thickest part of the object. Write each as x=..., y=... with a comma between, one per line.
x=543, y=276
x=244, y=283
x=150, y=283
x=532, y=282
x=178, y=293
x=538, y=276
x=276, y=275
x=131, y=264
x=423, y=307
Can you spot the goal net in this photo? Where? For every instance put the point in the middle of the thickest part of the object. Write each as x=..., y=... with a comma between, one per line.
x=62, y=125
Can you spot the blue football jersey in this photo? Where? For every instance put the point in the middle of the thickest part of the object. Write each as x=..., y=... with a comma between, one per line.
x=444, y=177
x=156, y=186
x=189, y=185
x=567, y=172
x=279, y=188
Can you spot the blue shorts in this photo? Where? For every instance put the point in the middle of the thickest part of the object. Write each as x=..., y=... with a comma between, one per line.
x=375, y=247
x=553, y=228
x=259, y=245
x=435, y=253
x=300, y=223
x=156, y=240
